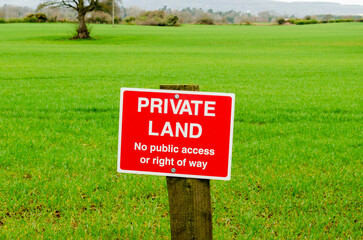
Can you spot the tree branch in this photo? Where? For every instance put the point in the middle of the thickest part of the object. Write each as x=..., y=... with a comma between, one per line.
x=93, y=4
x=67, y=4
x=59, y=3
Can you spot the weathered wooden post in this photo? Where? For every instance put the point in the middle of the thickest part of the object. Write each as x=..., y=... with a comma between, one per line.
x=189, y=199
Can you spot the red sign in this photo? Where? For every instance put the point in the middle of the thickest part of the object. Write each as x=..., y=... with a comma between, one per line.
x=176, y=133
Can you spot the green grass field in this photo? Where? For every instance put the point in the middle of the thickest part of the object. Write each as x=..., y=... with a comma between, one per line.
x=297, y=158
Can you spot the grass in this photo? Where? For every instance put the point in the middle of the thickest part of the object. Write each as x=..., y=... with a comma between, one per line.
x=297, y=159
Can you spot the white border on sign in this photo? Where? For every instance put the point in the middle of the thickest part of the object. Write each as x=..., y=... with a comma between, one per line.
x=175, y=174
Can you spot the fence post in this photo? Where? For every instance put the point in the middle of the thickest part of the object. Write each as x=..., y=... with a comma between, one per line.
x=189, y=199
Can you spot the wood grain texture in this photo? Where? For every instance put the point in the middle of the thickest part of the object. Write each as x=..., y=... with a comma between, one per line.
x=190, y=208
x=180, y=87
x=189, y=200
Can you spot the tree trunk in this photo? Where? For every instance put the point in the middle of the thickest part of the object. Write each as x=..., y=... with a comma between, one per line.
x=82, y=31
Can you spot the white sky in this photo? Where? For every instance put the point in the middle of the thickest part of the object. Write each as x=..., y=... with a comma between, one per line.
x=34, y=3
x=354, y=2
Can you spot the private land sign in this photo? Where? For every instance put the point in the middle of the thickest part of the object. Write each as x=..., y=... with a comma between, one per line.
x=176, y=133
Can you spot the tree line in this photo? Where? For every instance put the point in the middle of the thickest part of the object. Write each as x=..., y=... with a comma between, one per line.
x=100, y=11
x=186, y=15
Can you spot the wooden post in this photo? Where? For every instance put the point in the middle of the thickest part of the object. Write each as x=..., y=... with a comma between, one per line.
x=189, y=200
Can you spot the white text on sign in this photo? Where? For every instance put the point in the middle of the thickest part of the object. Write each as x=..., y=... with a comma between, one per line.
x=191, y=107
x=183, y=106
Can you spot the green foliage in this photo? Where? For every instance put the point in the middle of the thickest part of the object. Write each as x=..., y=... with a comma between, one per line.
x=315, y=21
x=156, y=18
x=304, y=22
x=53, y=20
x=130, y=19
x=2, y=20
x=292, y=20
x=152, y=18
x=281, y=21
x=153, y=15
x=41, y=17
x=33, y=19
x=300, y=22
x=296, y=164
x=99, y=17
x=14, y=20
x=117, y=20
x=171, y=20
x=99, y=20
x=64, y=21
x=38, y=17
x=30, y=15
x=205, y=20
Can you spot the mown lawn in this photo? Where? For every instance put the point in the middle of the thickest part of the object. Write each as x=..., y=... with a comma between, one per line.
x=297, y=158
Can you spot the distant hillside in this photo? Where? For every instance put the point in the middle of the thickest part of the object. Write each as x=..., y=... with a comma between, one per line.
x=253, y=6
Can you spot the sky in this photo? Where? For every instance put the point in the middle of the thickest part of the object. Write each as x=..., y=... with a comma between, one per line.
x=354, y=2
x=34, y=3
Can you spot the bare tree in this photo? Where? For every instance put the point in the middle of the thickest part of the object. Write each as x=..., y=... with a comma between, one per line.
x=81, y=6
